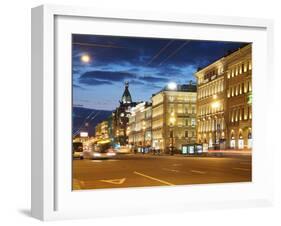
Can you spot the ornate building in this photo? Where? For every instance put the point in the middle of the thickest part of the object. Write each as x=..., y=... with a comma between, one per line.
x=139, y=129
x=120, y=117
x=211, y=104
x=239, y=97
x=224, y=106
x=174, y=117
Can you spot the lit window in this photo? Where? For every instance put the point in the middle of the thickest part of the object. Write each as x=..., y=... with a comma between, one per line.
x=228, y=74
x=245, y=87
x=245, y=114
x=245, y=67
x=236, y=115
x=250, y=65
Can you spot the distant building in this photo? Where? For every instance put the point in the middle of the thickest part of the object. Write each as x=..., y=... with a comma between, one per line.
x=102, y=132
x=139, y=126
x=120, y=117
x=224, y=101
x=174, y=117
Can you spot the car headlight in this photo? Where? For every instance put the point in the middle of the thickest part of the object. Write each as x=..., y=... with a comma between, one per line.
x=110, y=154
x=97, y=154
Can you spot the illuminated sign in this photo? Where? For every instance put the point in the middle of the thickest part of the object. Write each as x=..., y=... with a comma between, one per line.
x=184, y=150
x=83, y=134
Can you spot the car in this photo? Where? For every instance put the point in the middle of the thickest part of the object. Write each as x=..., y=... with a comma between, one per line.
x=77, y=150
x=100, y=154
x=123, y=150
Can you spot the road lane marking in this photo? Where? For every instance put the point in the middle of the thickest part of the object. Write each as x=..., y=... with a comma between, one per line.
x=243, y=169
x=96, y=161
x=153, y=178
x=115, y=181
x=197, y=171
x=171, y=170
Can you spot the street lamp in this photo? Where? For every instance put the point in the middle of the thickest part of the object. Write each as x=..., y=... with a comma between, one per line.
x=172, y=121
x=215, y=105
x=172, y=86
x=143, y=127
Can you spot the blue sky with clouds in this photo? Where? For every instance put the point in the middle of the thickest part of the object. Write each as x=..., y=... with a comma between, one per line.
x=148, y=64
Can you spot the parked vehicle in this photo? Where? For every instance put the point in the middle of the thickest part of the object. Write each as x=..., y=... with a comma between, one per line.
x=77, y=150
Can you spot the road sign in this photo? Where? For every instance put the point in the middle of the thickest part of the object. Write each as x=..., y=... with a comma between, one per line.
x=115, y=181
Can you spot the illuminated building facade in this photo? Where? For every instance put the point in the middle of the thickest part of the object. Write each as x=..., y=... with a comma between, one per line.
x=120, y=117
x=224, y=106
x=139, y=127
x=239, y=98
x=211, y=104
x=102, y=131
x=174, y=117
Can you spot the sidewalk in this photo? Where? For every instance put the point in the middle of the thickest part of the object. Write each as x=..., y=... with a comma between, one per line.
x=210, y=153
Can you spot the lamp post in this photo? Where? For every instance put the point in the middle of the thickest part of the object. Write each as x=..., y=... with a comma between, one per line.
x=143, y=127
x=215, y=106
x=172, y=121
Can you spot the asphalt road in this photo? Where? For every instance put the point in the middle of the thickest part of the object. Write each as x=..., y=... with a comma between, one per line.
x=148, y=170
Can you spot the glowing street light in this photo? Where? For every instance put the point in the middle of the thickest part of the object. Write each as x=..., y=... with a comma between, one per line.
x=85, y=58
x=215, y=105
x=172, y=86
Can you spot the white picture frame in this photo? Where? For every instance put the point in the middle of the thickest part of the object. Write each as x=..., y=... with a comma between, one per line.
x=52, y=197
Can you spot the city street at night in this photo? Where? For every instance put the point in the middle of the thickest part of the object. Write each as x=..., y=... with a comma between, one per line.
x=149, y=170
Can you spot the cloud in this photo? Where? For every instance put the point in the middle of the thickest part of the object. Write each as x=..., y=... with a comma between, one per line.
x=153, y=79
x=107, y=75
x=93, y=81
x=77, y=86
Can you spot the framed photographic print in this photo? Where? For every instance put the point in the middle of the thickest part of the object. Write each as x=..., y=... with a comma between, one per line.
x=136, y=113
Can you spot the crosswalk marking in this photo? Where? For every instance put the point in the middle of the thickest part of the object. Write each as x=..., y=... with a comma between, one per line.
x=115, y=181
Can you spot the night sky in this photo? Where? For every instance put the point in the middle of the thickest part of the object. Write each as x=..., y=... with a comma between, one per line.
x=102, y=64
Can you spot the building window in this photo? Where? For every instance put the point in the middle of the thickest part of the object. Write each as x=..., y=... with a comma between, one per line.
x=245, y=87
x=250, y=86
x=171, y=133
x=240, y=69
x=186, y=134
x=193, y=122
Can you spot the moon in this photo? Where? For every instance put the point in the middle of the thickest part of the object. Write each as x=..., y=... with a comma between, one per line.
x=85, y=58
